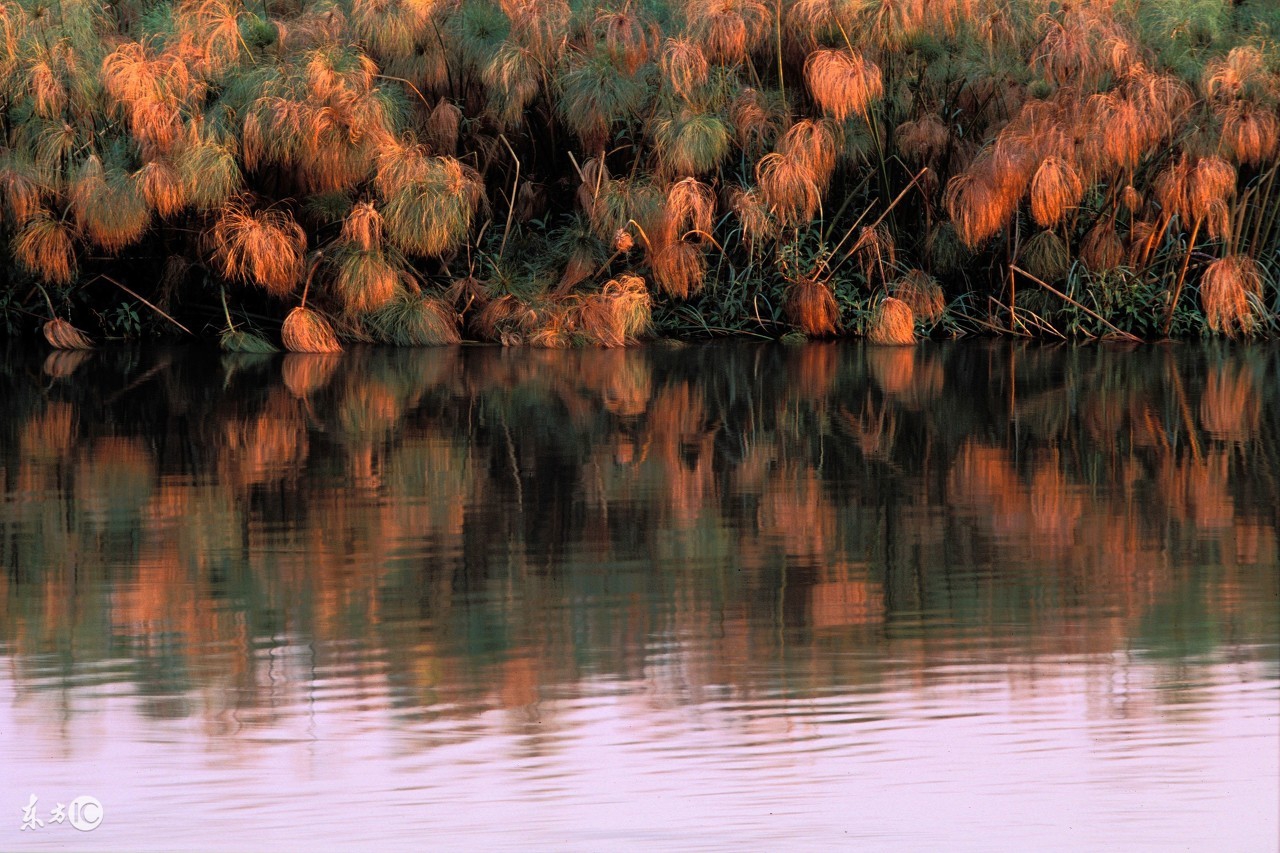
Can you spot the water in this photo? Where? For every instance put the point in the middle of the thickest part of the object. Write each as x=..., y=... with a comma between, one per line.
x=964, y=597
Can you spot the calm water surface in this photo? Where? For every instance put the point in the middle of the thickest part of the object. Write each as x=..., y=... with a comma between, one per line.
x=953, y=597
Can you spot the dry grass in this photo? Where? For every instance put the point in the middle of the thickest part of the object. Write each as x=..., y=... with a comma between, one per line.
x=625, y=36
x=892, y=323
x=684, y=66
x=844, y=84
x=1251, y=134
x=617, y=314
x=161, y=186
x=44, y=246
x=364, y=227
x=787, y=186
x=979, y=206
x=691, y=206
x=108, y=207
x=263, y=247
x=1102, y=249
x=728, y=29
x=922, y=294
x=1212, y=182
x=306, y=331
x=1056, y=188
x=680, y=269
x=62, y=335
x=1225, y=291
x=1172, y=188
x=811, y=307
x=757, y=120
x=813, y=146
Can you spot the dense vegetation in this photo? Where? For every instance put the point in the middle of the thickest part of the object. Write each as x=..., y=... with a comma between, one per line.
x=559, y=173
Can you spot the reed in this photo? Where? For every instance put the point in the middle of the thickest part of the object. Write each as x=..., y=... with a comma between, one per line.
x=63, y=336
x=811, y=307
x=1229, y=289
x=306, y=331
x=414, y=320
x=1056, y=188
x=892, y=323
x=262, y=247
x=843, y=83
x=921, y=293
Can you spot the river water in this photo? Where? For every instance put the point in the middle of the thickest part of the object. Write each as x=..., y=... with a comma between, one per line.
x=962, y=597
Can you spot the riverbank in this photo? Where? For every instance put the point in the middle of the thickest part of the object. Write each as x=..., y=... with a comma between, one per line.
x=554, y=174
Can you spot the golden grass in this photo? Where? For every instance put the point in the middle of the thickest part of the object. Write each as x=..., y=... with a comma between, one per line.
x=1056, y=188
x=62, y=335
x=625, y=36
x=922, y=294
x=977, y=204
x=1250, y=133
x=843, y=83
x=1212, y=182
x=617, y=314
x=811, y=307
x=108, y=207
x=680, y=269
x=364, y=227
x=875, y=250
x=691, y=206
x=756, y=121
x=812, y=145
x=21, y=193
x=44, y=247
x=1172, y=187
x=263, y=247
x=892, y=323
x=728, y=29
x=582, y=263
x=1131, y=199
x=161, y=186
x=684, y=66
x=788, y=188
x=1225, y=289
x=503, y=320
x=306, y=331
x=1225, y=78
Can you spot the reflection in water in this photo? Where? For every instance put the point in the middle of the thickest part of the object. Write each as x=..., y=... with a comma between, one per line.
x=673, y=595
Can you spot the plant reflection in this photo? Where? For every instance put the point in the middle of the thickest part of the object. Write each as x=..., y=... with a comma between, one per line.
x=475, y=528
